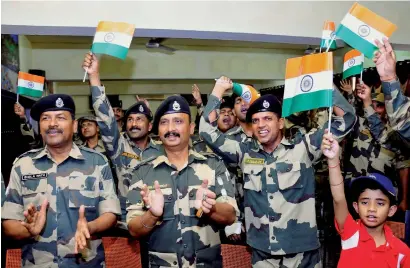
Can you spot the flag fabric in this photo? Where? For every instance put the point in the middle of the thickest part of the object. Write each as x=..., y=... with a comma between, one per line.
x=248, y=93
x=308, y=83
x=113, y=38
x=327, y=34
x=30, y=85
x=353, y=63
x=360, y=27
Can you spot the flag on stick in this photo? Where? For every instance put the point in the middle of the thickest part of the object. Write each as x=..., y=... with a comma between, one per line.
x=308, y=83
x=327, y=34
x=353, y=63
x=30, y=85
x=360, y=27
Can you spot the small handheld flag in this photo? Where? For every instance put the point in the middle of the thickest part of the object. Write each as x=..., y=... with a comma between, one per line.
x=360, y=27
x=30, y=85
x=353, y=63
x=248, y=93
x=328, y=36
x=308, y=83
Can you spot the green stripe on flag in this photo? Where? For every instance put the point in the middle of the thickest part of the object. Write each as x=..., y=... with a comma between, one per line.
x=110, y=49
x=323, y=44
x=356, y=41
x=29, y=92
x=307, y=101
x=353, y=71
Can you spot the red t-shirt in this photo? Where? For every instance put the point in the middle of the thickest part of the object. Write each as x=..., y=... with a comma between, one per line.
x=359, y=249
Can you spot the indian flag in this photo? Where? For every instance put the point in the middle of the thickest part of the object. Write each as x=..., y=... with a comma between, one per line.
x=353, y=63
x=113, y=38
x=327, y=34
x=308, y=83
x=360, y=27
x=30, y=85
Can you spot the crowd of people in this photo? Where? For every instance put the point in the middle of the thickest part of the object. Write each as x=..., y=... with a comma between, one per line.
x=242, y=174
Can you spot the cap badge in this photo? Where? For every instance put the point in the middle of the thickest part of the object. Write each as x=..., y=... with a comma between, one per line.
x=141, y=109
x=265, y=104
x=176, y=106
x=59, y=103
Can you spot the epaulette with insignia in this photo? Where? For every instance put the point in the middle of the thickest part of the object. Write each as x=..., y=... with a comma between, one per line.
x=27, y=154
x=145, y=161
x=210, y=154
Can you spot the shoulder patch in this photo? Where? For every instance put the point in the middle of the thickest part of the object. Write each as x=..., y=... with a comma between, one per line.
x=27, y=154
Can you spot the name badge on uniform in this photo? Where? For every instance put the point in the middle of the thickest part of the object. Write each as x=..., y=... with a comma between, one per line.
x=133, y=156
x=255, y=161
x=33, y=176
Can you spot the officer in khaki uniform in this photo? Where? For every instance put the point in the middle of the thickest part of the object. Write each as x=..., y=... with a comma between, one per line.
x=60, y=197
x=126, y=149
x=279, y=178
x=180, y=199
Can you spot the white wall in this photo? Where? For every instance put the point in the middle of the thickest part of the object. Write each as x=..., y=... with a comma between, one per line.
x=25, y=54
x=287, y=18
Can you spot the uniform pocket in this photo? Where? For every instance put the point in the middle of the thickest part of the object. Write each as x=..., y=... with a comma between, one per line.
x=158, y=259
x=34, y=192
x=253, y=177
x=169, y=204
x=289, y=175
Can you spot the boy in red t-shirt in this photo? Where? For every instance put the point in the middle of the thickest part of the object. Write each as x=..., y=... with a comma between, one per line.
x=367, y=242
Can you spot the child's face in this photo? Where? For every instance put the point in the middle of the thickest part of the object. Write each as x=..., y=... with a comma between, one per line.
x=373, y=207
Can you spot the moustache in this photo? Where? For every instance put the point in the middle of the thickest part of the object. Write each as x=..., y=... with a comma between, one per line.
x=53, y=130
x=135, y=128
x=171, y=133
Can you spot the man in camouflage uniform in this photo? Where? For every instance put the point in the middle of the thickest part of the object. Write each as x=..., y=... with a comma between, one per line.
x=279, y=178
x=89, y=130
x=60, y=197
x=180, y=199
x=397, y=105
x=127, y=149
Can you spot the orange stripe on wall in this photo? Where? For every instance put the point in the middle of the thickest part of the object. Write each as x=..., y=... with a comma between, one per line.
x=372, y=19
x=31, y=77
x=309, y=64
x=117, y=27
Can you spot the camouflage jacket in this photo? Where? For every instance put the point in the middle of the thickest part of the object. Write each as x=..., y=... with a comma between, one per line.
x=279, y=186
x=182, y=239
x=123, y=153
x=397, y=108
x=99, y=148
x=84, y=178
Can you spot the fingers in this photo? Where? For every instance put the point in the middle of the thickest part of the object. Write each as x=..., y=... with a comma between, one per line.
x=44, y=206
x=210, y=201
x=204, y=184
x=387, y=45
x=81, y=213
x=157, y=187
x=205, y=204
x=380, y=45
x=144, y=192
x=210, y=194
x=86, y=233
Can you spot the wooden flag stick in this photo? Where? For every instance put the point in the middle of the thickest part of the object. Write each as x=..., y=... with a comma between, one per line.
x=353, y=83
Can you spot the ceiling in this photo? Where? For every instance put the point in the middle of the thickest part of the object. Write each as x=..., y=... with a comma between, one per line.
x=49, y=39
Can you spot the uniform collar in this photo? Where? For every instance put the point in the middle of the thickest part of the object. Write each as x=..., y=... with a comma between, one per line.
x=74, y=153
x=192, y=155
x=100, y=144
x=151, y=143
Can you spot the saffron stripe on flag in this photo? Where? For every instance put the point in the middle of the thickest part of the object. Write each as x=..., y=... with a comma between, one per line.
x=31, y=77
x=352, y=54
x=309, y=101
x=372, y=19
x=311, y=64
x=356, y=41
x=109, y=26
x=114, y=38
x=110, y=49
x=352, y=71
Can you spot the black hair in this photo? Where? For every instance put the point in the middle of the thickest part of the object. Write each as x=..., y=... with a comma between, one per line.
x=364, y=184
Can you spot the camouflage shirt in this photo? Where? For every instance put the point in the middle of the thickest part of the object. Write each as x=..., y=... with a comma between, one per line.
x=84, y=178
x=397, y=108
x=124, y=154
x=279, y=186
x=182, y=239
x=99, y=148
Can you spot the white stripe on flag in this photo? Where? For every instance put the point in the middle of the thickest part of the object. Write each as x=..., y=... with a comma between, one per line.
x=321, y=80
x=115, y=38
x=361, y=29
x=350, y=63
x=326, y=34
x=30, y=84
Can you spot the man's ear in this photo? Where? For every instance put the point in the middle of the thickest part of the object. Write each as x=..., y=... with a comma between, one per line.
x=149, y=127
x=192, y=128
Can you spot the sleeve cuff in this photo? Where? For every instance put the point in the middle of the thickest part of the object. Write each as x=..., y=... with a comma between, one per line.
x=109, y=206
x=12, y=211
x=388, y=87
x=235, y=228
x=213, y=104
